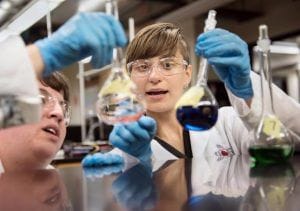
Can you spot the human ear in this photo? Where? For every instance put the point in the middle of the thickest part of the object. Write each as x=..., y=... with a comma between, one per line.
x=188, y=76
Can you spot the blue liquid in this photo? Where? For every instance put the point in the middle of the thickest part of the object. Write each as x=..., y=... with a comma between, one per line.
x=198, y=118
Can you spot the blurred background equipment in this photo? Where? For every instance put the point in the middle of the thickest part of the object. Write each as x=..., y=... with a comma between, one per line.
x=239, y=16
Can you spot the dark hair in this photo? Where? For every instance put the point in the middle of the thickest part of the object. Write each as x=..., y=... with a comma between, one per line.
x=58, y=82
x=156, y=40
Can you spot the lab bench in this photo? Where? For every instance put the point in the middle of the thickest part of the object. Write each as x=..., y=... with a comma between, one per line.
x=213, y=183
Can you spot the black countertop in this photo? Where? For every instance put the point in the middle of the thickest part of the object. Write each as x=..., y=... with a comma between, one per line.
x=198, y=184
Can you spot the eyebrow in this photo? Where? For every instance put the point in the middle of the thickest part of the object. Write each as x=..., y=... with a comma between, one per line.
x=161, y=57
x=44, y=91
x=166, y=55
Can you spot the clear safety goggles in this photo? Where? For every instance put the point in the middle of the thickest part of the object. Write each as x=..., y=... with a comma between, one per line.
x=166, y=66
x=49, y=102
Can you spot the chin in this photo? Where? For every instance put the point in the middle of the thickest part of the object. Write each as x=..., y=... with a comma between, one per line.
x=46, y=152
x=159, y=108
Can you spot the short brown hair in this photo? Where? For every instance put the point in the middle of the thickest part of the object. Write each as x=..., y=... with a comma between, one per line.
x=58, y=82
x=156, y=40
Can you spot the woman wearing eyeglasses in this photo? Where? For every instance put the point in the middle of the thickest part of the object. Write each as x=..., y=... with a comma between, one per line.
x=158, y=62
x=34, y=146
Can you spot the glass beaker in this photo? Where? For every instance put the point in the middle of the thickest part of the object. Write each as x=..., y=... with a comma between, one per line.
x=118, y=99
x=197, y=109
x=272, y=143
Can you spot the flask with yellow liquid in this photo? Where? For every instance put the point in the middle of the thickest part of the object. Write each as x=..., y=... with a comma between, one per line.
x=118, y=99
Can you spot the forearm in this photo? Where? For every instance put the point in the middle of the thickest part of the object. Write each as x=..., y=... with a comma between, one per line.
x=286, y=108
x=36, y=59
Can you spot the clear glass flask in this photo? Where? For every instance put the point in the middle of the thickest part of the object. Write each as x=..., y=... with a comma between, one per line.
x=197, y=109
x=118, y=99
x=273, y=143
x=272, y=188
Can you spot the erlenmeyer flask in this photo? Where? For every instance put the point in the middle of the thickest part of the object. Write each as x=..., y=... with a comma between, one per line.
x=118, y=99
x=272, y=143
x=197, y=109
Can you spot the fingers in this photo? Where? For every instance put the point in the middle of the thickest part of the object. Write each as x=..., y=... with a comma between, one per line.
x=117, y=140
x=228, y=49
x=240, y=63
x=100, y=159
x=102, y=40
x=218, y=37
x=105, y=33
x=138, y=132
x=148, y=124
x=118, y=31
x=101, y=56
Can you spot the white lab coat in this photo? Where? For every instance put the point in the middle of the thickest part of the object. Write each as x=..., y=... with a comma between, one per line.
x=233, y=131
x=228, y=177
x=231, y=134
x=18, y=78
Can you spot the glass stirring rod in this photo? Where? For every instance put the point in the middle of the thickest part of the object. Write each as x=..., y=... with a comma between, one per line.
x=197, y=109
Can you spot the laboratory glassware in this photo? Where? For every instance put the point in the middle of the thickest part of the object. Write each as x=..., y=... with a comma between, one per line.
x=118, y=99
x=272, y=188
x=272, y=142
x=197, y=109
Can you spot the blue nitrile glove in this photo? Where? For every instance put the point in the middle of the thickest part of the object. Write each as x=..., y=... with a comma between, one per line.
x=135, y=138
x=135, y=189
x=101, y=159
x=229, y=56
x=99, y=172
x=85, y=34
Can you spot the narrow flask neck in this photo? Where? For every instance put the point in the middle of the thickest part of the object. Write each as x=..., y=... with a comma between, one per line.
x=210, y=24
x=202, y=73
x=118, y=61
x=266, y=84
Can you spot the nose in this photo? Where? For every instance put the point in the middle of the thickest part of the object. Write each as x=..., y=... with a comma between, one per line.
x=155, y=74
x=56, y=112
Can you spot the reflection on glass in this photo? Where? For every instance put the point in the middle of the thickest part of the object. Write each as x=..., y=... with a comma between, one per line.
x=93, y=173
x=33, y=190
x=134, y=189
x=273, y=143
x=118, y=100
x=197, y=109
x=273, y=187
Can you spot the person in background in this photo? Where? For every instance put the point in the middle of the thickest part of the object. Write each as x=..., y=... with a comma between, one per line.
x=85, y=34
x=159, y=63
x=33, y=146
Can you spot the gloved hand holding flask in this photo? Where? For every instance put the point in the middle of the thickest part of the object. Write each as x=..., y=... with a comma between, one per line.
x=85, y=34
x=229, y=56
x=135, y=138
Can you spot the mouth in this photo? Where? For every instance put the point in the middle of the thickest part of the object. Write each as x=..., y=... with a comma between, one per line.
x=156, y=92
x=53, y=130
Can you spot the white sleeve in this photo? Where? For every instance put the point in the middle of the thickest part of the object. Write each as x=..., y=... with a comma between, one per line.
x=231, y=128
x=286, y=108
x=17, y=76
